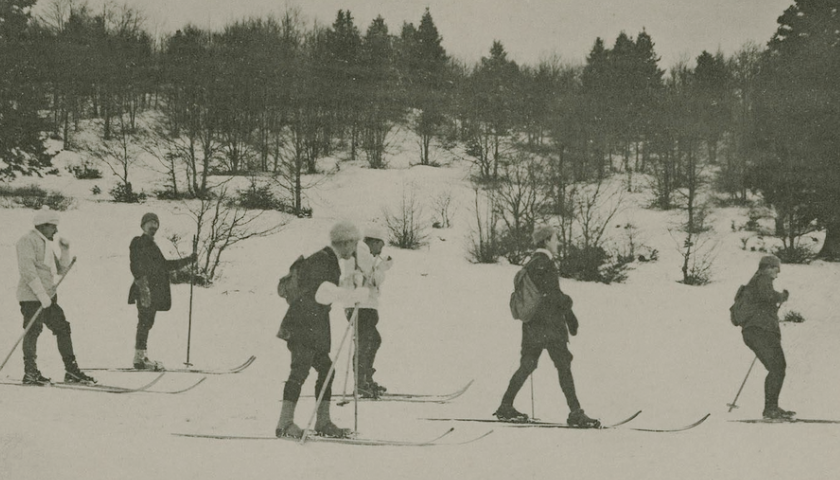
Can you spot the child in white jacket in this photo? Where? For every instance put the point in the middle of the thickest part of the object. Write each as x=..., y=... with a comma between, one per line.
x=369, y=271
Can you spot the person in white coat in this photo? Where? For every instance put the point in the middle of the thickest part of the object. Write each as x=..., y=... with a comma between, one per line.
x=39, y=264
x=370, y=268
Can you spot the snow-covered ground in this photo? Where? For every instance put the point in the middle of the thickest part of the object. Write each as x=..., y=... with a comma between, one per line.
x=650, y=343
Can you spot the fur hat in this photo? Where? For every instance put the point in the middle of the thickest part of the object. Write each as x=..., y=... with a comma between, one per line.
x=148, y=218
x=542, y=233
x=344, y=231
x=769, y=261
x=376, y=232
x=45, y=216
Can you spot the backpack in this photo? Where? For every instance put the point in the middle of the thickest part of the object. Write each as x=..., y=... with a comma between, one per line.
x=289, y=285
x=526, y=298
x=738, y=312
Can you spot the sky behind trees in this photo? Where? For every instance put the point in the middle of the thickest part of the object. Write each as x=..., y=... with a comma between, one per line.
x=529, y=29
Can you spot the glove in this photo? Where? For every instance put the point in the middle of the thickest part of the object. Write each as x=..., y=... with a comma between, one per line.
x=39, y=291
x=46, y=301
x=360, y=295
x=64, y=243
x=785, y=295
x=572, y=322
x=358, y=279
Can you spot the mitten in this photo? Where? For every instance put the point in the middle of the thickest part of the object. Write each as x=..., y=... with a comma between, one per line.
x=572, y=322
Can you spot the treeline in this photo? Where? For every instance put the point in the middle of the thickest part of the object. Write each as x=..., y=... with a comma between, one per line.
x=277, y=94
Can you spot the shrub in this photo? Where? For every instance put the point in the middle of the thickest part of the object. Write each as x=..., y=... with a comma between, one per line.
x=406, y=226
x=794, y=317
x=123, y=193
x=515, y=246
x=258, y=197
x=33, y=196
x=799, y=254
x=85, y=171
x=594, y=264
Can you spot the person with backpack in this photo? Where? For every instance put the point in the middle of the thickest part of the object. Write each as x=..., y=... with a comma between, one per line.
x=759, y=311
x=547, y=329
x=372, y=266
x=39, y=265
x=306, y=328
x=150, y=288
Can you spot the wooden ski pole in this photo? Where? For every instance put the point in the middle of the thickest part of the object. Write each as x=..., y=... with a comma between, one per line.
x=35, y=316
x=533, y=415
x=192, y=284
x=346, y=373
x=327, y=381
x=356, y=367
x=733, y=405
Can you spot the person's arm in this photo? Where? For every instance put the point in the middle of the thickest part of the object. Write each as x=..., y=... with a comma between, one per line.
x=26, y=254
x=63, y=263
x=765, y=292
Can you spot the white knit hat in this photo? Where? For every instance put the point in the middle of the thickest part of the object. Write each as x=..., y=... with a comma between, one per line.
x=377, y=232
x=344, y=231
x=44, y=216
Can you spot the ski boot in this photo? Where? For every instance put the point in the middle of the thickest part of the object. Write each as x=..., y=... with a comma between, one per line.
x=72, y=374
x=776, y=413
x=142, y=362
x=579, y=419
x=324, y=425
x=507, y=413
x=286, y=425
x=379, y=389
x=34, y=377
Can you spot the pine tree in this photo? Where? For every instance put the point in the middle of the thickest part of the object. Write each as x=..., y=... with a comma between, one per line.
x=797, y=113
x=22, y=92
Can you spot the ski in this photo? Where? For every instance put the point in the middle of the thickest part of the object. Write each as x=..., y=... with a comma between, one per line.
x=175, y=392
x=669, y=430
x=536, y=423
x=790, y=420
x=92, y=387
x=408, y=397
x=346, y=441
x=202, y=371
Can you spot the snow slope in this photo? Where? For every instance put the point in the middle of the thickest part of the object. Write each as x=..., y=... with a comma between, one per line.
x=650, y=343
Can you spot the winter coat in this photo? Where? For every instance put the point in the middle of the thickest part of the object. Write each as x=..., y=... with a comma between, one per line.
x=761, y=305
x=307, y=322
x=151, y=269
x=548, y=326
x=372, y=270
x=35, y=274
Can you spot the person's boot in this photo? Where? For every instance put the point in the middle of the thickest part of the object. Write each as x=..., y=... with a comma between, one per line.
x=507, y=413
x=379, y=389
x=142, y=362
x=324, y=425
x=286, y=425
x=776, y=413
x=579, y=419
x=72, y=374
x=31, y=374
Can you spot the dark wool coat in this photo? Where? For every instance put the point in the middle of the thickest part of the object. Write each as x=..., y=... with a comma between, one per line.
x=147, y=261
x=307, y=322
x=761, y=306
x=549, y=323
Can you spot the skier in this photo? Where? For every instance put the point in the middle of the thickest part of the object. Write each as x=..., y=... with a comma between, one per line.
x=150, y=289
x=306, y=329
x=372, y=266
x=761, y=332
x=547, y=331
x=38, y=265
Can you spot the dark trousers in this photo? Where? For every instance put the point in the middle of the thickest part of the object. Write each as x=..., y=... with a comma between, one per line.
x=304, y=358
x=368, y=342
x=145, y=322
x=530, y=356
x=53, y=317
x=768, y=348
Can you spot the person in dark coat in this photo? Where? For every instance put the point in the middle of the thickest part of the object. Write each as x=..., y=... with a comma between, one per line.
x=150, y=289
x=306, y=329
x=761, y=332
x=549, y=329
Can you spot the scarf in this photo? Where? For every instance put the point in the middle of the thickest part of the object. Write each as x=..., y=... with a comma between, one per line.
x=49, y=247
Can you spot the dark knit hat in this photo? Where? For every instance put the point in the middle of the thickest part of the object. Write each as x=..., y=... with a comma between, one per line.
x=148, y=218
x=542, y=233
x=769, y=261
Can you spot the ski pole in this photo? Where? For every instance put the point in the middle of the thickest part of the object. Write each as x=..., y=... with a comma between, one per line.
x=356, y=367
x=192, y=284
x=327, y=380
x=346, y=375
x=35, y=316
x=733, y=405
x=533, y=415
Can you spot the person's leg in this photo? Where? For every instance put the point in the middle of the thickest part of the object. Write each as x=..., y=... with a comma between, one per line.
x=302, y=358
x=528, y=361
x=31, y=374
x=768, y=348
x=562, y=358
x=323, y=423
x=369, y=342
x=56, y=321
x=145, y=322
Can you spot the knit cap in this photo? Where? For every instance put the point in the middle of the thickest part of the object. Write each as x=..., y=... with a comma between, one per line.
x=769, y=261
x=45, y=216
x=148, y=218
x=344, y=231
x=542, y=233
